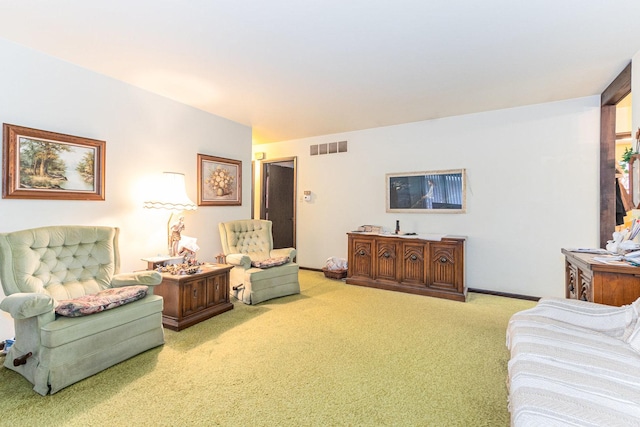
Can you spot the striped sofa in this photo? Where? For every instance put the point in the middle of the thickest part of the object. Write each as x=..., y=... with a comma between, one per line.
x=574, y=363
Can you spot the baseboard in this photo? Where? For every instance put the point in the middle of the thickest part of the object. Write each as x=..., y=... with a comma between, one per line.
x=477, y=291
x=504, y=294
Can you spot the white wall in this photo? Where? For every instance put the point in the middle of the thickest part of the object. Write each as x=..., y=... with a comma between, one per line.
x=145, y=135
x=532, y=189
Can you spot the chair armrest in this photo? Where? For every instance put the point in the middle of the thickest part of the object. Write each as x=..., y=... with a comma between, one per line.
x=282, y=252
x=147, y=277
x=26, y=305
x=240, y=260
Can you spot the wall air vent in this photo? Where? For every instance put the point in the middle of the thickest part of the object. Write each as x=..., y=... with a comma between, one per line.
x=328, y=148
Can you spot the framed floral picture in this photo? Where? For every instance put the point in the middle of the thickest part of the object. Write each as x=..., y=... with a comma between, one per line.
x=38, y=164
x=427, y=192
x=219, y=181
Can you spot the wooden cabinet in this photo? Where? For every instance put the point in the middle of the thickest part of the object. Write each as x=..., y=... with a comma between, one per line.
x=590, y=280
x=425, y=267
x=189, y=299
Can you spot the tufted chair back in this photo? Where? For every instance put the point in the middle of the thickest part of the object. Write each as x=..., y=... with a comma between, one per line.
x=62, y=261
x=251, y=237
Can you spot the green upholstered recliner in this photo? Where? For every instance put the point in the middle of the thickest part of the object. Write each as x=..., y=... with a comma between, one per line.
x=247, y=241
x=41, y=266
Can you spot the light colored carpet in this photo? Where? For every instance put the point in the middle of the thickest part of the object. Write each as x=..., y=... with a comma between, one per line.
x=334, y=355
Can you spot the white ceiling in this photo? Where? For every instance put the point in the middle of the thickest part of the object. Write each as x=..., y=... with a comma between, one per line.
x=293, y=69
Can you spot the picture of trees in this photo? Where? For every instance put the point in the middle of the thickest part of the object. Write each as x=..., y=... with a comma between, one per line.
x=39, y=164
x=54, y=165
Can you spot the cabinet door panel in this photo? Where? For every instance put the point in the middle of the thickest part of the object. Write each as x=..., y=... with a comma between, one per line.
x=194, y=294
x=361, y=264
x=446, y=266
x=571, y=281
x=216, y=289
x=584, y=286
x=413, y=263
x=615, y=288
x=386, y=260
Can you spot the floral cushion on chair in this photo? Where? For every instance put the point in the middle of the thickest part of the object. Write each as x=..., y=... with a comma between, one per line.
x=103, y=300
x=270, y=262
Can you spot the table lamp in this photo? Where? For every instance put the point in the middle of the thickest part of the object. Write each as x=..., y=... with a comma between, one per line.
x=171, y=195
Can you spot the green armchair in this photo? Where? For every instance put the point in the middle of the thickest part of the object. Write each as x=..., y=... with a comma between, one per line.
x=41, y=268
x=248, y=246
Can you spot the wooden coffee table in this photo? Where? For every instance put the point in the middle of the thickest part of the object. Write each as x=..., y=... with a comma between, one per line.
x=190, y=299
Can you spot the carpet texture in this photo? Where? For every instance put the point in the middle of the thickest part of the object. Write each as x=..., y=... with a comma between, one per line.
x=334, y=355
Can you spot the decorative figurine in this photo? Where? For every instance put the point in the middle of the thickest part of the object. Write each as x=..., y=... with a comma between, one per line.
x=176, y=229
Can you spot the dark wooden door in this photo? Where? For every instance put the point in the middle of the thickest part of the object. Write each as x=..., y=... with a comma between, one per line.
x=279, y=209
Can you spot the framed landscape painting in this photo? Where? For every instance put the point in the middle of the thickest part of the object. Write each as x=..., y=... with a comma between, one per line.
x=427, y=192
x=38, y=164
x=219, y=181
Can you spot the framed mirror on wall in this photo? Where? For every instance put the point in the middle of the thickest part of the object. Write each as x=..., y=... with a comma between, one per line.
x=426, y=192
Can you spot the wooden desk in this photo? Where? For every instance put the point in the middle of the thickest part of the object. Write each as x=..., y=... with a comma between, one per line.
x=189, y=299
x=590, y=280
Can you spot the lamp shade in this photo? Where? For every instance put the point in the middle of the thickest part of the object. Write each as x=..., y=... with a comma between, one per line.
x=171, y=194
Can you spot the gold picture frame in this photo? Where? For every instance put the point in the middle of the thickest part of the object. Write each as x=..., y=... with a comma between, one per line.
x=219, y=181
x=39, y=164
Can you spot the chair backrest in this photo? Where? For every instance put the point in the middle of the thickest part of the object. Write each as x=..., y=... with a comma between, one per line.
x=251, y=237
x=62, y=261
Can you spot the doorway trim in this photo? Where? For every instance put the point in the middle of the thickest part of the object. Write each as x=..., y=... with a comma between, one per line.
x=612, y=95
x=263, y=168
